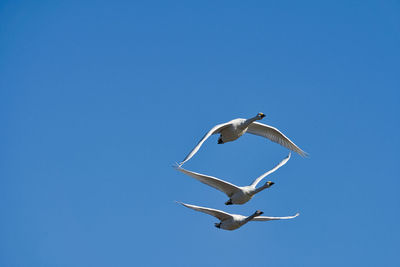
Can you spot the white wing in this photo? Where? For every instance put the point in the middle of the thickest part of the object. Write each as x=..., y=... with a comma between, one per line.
x=280, y=164
x=265, y=218
x=216, y=213
x=216, y=129
x=274, y=135
x=218, y=184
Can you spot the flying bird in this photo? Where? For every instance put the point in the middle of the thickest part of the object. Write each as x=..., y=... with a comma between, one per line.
x=234, y=129
x=236, y=194
x=234, y=221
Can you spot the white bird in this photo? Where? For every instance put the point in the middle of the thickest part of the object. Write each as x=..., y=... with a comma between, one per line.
x=233, y=129
x=236, y=194
x=234, y=221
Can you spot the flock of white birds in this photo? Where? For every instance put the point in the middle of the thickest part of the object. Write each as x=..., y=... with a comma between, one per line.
x=231, y=131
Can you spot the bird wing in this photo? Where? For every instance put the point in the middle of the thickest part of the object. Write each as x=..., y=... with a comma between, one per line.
x=218, y=184
x=280, y=164
x=274, y=135
x=216, y=213
x=216, y=129
x=265, y=218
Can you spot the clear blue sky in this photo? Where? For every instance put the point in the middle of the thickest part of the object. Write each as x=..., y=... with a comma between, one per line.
x=98, y=100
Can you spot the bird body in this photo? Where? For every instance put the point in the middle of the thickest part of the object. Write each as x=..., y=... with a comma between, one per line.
x=235, y=222
x=235, y=129
x=241, y=196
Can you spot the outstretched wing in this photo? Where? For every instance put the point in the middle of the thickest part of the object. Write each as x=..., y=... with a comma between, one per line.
x=218, y=184
x=265, y=218
x=274, y=135
x=216, y=213
x=280, y=164
x=214, y=130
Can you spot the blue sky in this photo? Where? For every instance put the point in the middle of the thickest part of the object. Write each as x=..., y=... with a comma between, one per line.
x=99, y=99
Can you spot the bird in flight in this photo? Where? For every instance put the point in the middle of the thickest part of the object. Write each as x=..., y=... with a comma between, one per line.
x=234, y=129
x=234, y=221
x=236, y=194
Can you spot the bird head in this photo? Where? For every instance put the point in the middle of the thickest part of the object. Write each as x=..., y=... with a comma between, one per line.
x=258, y=213
x=269, y=184
x=260, y=115
x=218, y=225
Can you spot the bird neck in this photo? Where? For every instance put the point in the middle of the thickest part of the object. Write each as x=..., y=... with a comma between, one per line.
x=249, y=121
x=261, y=188
x=251, y=217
